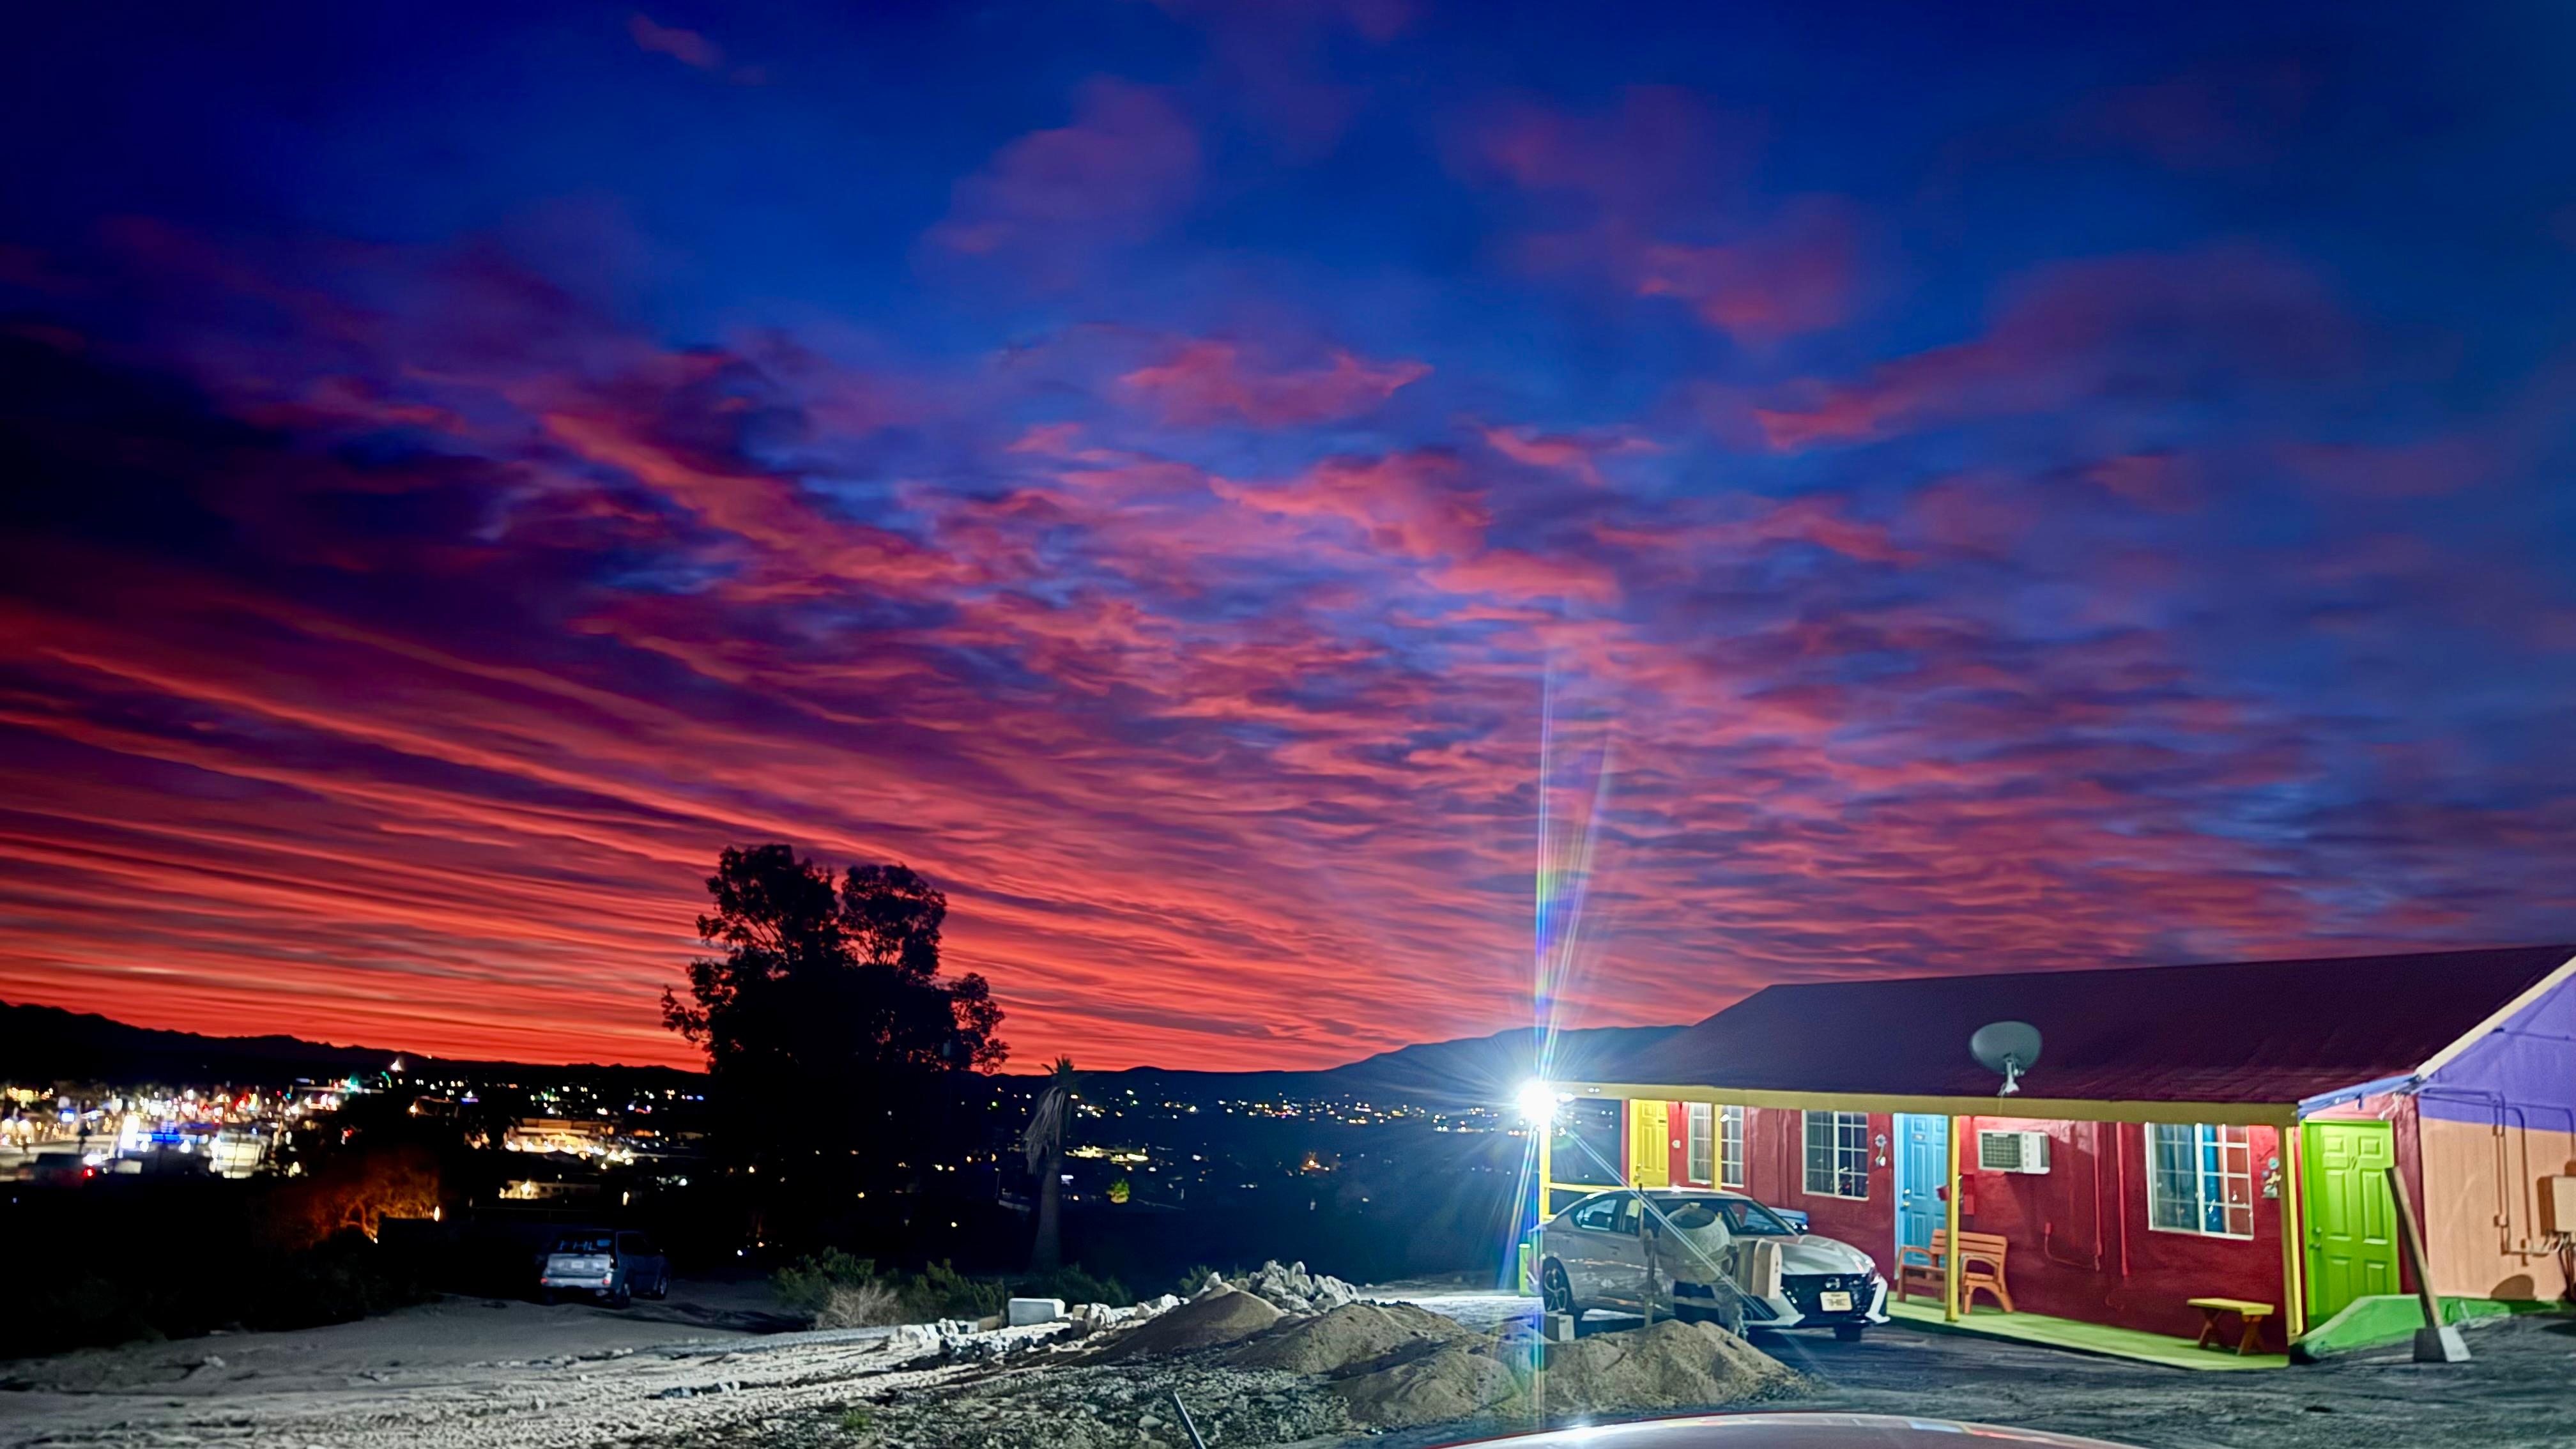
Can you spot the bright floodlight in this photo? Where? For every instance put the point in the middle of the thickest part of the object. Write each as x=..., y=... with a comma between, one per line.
x=1537, y=1101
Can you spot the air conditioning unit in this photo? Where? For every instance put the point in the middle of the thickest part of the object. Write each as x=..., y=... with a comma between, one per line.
x=2558, y=1207
x=2012, y=1151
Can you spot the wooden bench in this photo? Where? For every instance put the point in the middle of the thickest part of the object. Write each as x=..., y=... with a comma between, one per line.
x=1981, y=1266
x=2248, y=1312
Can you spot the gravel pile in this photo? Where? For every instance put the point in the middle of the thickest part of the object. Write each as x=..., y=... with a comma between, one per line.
x=1289, y=1289
x=1352, y=1338
x=1211, y=1320
x=1097, y=1406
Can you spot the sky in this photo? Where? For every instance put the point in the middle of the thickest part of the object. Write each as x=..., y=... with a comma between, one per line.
x=1273, y=506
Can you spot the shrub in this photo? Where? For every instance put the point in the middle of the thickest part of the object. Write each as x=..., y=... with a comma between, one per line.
x=940, y=1291
x=807, y=1284
x=1196, y=1279
x=860, y=1305
x=1075, y=1285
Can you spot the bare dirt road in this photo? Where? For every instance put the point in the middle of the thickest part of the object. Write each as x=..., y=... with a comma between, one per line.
x=468, y=1373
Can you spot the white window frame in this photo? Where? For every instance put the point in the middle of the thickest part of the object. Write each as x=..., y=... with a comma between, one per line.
x=1730, y=1147
x=2218, y=1166
x=1850, y=1154
x=1699, y=1144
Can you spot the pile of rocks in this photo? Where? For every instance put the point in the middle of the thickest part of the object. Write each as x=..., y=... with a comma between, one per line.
x=1094, y=1407
x=967, y=1340
x=1290, y=1289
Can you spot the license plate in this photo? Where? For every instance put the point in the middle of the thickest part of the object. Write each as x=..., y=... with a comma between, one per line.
x=1834, y=1302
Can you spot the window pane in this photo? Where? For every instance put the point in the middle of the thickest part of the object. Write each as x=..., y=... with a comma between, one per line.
x=1853, y=1155
x=1731, y=1148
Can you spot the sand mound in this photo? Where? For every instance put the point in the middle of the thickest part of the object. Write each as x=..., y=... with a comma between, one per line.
x=1668, y=1366
x=1353, y=1336
x=1211, y=1321
x=1452, y=1382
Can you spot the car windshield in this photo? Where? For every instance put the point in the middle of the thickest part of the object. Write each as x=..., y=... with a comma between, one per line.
x=1743, y=1217
x=582, y=1243
x=1749, y=1219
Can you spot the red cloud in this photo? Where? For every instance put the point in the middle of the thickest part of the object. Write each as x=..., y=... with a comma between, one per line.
x=1797, y=276
x=1630, y=195
x=1409, y=503
x=2160, y=321
x=1208, y=380
x=1127, y=163
x=1563, y=453
x=685, y=46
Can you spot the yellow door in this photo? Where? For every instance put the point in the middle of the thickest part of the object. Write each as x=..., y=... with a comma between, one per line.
x=1650, y=1144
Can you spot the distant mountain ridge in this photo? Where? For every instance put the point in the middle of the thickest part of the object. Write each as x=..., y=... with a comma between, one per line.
x=49, y=1043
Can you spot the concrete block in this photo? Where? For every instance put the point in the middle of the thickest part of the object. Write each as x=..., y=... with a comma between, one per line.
x=2440, y=1345
x=1557, y=1327
x=1024, y=1311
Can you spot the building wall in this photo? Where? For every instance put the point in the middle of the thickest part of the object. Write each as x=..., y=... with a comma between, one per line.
x=2081, y=1241
x=2491, y=1124
x=1775, y=1173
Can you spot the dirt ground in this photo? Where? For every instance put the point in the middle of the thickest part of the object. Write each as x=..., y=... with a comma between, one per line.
x=2513, y=1395
x=468, y=1373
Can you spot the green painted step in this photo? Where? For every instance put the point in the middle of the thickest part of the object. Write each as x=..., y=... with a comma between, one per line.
x=2382, y=1319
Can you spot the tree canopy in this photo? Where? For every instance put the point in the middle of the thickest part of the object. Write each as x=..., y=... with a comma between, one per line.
x=824, y=1007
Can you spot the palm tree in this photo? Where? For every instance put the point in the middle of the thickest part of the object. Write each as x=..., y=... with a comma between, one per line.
x=1044, y=1144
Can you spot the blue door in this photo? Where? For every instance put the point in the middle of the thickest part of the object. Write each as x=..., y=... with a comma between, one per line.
x=1922, y=1166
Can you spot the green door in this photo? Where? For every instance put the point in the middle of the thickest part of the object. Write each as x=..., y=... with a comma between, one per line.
x=2352, y=1224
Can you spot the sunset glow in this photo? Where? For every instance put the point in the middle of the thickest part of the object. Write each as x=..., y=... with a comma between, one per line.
x=1279, y=510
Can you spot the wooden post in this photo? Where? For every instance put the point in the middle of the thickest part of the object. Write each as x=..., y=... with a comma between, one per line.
x=1950, y=1252
x=2412, y=1239
x=2294, y=1237
x=2436, y=1342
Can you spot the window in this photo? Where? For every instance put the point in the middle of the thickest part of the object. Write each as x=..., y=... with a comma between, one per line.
x=1838, y=1154
x=2199, y=1180
x=1715, y=1139
x=1598, y=1215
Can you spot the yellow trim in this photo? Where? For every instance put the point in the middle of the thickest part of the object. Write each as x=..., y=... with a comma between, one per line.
x=2053, y=1109
x=1546, y=1147
x=2294, y=1238
x=1950, y=1249
x=2498, y=1018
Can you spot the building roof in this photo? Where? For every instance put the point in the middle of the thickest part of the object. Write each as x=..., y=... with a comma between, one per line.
x=2276, y=1032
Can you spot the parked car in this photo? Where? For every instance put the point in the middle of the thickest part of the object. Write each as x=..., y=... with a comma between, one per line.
x=1719, y=1256
x=1789, y=1431
x=610, y=1266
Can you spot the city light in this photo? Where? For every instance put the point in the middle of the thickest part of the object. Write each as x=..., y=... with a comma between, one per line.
x=1536, y=1100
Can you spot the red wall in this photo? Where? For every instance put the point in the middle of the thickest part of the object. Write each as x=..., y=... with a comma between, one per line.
x=1775, y=1173
x=2080, y=1244
x=2069, y=1260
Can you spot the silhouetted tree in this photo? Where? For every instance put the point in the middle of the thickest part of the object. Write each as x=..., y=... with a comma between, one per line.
x=826, y=1022
x=1049, y=1120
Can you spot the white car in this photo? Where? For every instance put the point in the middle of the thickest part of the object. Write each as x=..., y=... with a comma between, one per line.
x=1697, y=1253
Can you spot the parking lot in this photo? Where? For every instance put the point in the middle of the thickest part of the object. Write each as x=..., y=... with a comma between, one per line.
x=2513, y=1396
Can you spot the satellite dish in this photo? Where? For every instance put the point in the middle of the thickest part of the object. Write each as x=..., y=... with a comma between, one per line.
x=2008, y=1047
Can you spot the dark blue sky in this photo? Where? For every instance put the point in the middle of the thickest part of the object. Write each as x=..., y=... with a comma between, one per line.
x=2023, y=486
